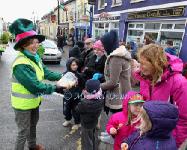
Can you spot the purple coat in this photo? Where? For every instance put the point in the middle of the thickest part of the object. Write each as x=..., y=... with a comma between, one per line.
x=164, y=117
x=172, y=85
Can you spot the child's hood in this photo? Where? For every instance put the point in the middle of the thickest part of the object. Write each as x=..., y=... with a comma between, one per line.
x=69, y=62
x=163, y=116
x=126, y=101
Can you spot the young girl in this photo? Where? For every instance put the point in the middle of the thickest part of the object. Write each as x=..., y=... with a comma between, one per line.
x=158, y=119
x=122, y=124
x=72, y=96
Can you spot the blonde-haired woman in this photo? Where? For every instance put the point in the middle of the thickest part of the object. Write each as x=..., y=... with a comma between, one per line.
x=161, y=79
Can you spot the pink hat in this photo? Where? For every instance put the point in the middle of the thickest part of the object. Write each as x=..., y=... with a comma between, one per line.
x=98, y=44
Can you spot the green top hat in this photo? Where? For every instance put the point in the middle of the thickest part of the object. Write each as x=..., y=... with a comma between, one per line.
x=23, y=30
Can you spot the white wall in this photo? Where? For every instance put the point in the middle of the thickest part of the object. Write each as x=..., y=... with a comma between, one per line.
x=1, y=26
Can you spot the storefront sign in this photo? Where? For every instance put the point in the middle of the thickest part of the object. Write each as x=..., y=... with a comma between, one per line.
x=106, y=18
x=169, y=12
x=84, y=18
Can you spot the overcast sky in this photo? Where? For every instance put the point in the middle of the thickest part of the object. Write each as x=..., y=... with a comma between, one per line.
x=13, y=9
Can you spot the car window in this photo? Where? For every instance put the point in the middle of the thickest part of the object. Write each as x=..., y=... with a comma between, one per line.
x=49, y=44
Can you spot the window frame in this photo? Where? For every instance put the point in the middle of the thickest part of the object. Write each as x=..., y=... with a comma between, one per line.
x=99, y=5
x=116, y=4
x=136, y=1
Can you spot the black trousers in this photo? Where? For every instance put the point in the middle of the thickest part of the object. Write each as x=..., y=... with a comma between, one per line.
x=69, y=109
x=89, y=139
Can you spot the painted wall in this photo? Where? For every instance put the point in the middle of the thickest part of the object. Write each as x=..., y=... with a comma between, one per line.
x=127, y=5
x=1, y=26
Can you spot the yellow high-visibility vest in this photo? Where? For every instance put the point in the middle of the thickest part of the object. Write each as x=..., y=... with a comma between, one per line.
x=21, y=98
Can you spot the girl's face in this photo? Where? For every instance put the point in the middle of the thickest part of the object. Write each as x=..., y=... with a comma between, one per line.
x=98, y=52
x=74, y=66
x=135, y=108
x=146, y=67
x=33, y=46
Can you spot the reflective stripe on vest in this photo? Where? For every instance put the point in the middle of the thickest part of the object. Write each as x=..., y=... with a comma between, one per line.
x=21, y=98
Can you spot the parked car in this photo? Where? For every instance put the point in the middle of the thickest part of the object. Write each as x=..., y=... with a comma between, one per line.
x=52, y=53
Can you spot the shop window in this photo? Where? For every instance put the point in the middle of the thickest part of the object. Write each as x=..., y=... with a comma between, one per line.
x=101, y=4
x=179, y=26
x=131, y=25
x=135, y=33
x=167, y=26
x=115, y=25
x=117, y=2
x=152, y=26
x=176, y=37
x=171, y=35
x=153, y=35
x=106, y=25
x=101, y=25
x=139, y=26
x=96, y=25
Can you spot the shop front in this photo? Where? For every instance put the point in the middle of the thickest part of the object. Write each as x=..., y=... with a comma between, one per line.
x=103, y=23
x=64, y=28
x=160, y=24
x=81, y=31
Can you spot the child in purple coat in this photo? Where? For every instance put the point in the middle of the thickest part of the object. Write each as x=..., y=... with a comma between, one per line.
x=158, y=119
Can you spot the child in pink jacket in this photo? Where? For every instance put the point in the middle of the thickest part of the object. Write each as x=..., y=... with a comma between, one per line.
x=122, y=124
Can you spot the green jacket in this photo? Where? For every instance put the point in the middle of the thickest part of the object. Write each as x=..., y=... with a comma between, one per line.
x=27, y=77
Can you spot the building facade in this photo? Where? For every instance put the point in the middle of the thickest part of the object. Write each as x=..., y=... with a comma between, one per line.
x=82, y=24
x=163, y=20
x=1, y=26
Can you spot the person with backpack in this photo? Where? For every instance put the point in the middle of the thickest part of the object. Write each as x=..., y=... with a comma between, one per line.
x=160, y=76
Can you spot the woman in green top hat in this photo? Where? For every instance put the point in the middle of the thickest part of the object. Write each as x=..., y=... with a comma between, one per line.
x=28, y=72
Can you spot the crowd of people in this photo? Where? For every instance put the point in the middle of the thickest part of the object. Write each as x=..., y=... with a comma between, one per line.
x=155, y=117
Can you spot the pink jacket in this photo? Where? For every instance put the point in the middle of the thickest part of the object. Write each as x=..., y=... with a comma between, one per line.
x=121, y=118
x=171, y=86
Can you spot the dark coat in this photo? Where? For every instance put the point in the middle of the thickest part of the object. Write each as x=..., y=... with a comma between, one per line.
x=85, y=56
x=164, y=117
x=95, y=67
x=90, y=111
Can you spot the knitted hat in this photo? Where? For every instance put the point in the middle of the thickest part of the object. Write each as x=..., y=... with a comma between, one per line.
x=23, y=30
x=92, y=86
x=98, y=44
x=110, y=41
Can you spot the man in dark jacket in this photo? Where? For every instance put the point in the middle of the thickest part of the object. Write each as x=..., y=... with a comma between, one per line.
x=88, y=52
x=90, y=109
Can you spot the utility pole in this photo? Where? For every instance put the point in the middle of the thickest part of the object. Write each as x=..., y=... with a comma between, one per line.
x=58, y=1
